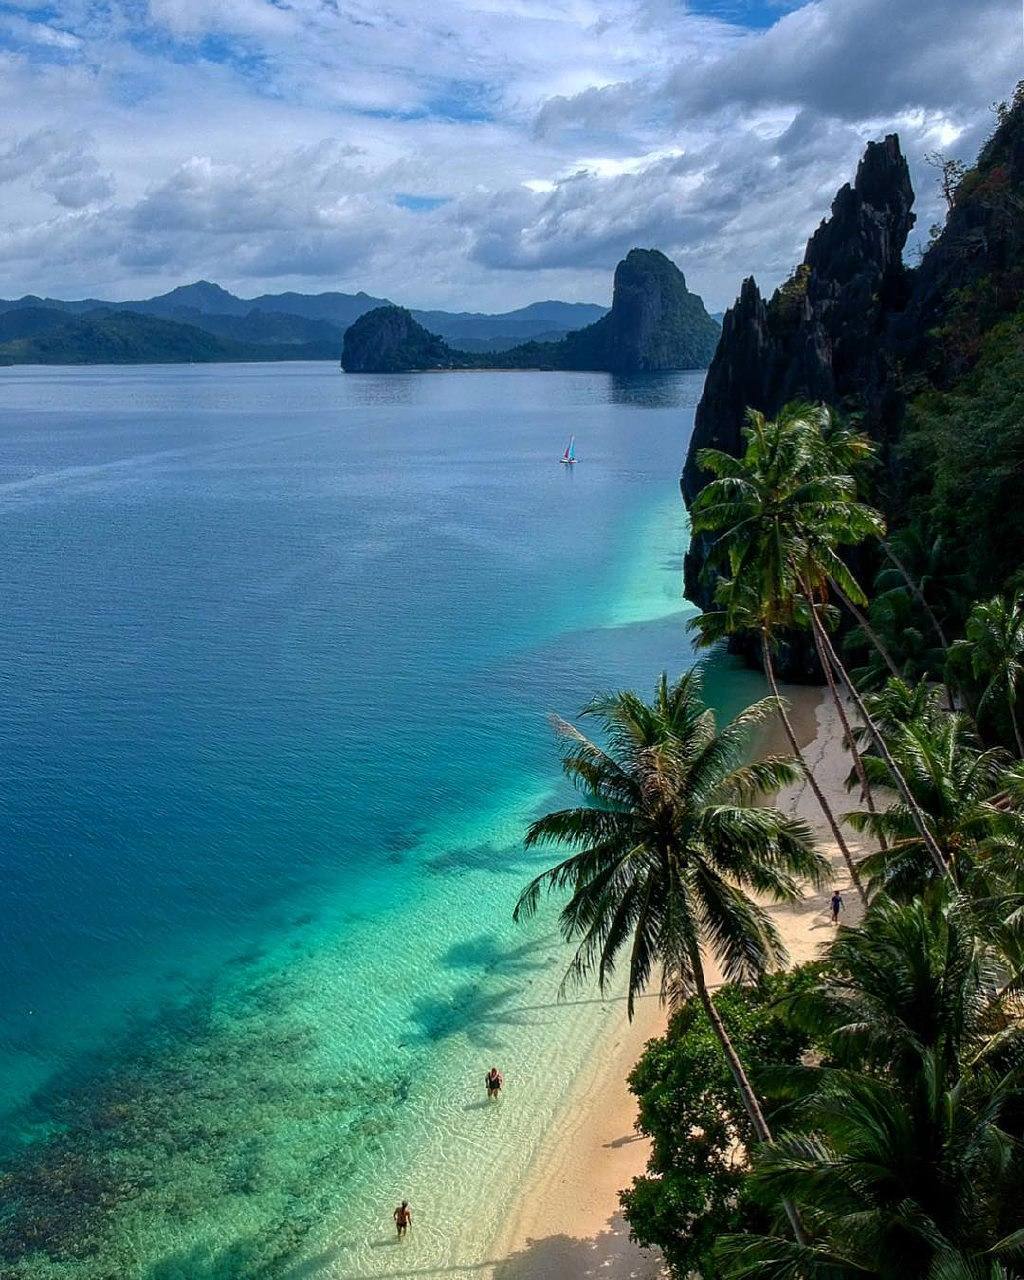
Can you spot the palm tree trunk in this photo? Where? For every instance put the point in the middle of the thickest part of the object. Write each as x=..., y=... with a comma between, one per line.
x=808, y=772
x=917, y=593
x=745, y=1089
x=918, y=818
x=868, y=630
x=866, y=794
x=1016, y=730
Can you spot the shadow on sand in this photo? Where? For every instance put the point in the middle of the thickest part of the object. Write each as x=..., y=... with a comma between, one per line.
x=557, y=1257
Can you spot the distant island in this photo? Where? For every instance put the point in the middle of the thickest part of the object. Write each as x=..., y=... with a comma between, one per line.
x=655, y=323
x=203, y=323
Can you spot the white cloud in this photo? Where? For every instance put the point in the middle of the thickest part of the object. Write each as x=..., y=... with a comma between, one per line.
x=263, y=144
x=60, y=165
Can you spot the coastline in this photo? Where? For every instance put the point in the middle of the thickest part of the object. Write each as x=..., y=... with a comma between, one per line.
x=567, y=1223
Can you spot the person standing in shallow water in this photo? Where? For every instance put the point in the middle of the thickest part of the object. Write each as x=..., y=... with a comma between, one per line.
x=836, y=905
x=493, y=1082
x=403, y=1218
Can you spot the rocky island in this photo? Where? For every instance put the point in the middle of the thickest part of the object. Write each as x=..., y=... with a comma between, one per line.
x=655, y=323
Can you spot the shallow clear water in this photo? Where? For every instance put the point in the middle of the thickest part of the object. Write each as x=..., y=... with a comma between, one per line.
x=278, y=650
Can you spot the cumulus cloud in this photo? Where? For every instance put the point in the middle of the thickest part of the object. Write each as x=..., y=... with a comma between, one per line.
x=59, y=164
x=474, y=153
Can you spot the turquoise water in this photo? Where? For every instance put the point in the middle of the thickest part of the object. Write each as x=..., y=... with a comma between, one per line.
x=278, y=650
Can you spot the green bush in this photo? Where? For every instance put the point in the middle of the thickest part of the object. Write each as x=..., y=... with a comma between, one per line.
x=693, y=1190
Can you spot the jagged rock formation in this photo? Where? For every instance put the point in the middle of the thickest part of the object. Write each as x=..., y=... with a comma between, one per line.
x=856, y=328
x=655, y=323
x=817, y=337
x=389, y=340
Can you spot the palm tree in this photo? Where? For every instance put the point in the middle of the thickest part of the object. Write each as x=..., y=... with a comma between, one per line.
x=667, y=849
x=898, y=703
x=842, y=450
x=780, y=519
x=900, y=1157
x=994, y=647
x=954, y=784
x=894, y=614
x=911, y=591
x=893, y=1183
x=912, y=976
x=743, y=611
x=920, y=567
x=762, y=506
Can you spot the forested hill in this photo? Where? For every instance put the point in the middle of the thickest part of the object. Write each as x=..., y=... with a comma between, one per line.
x=930, y=356
x=280, y=326
x=44, y=336
x=655, y=323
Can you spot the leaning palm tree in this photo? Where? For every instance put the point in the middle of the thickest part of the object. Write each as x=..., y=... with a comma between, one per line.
x=994, y=647
x=918, y=566
x=954, y=783
x=762, y=507
x=667, y=849
x=741, y=609
x=781, y=518
x=842, y=450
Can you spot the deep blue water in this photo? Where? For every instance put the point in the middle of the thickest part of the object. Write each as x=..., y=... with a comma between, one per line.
x=275, y=637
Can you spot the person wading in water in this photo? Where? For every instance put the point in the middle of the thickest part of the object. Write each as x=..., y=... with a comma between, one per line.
x=403, y=1218
x=493, y=1081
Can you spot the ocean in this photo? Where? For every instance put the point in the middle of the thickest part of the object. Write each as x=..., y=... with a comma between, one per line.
x=278, y=653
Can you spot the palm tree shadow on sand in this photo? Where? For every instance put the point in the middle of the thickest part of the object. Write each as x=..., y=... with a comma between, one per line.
x=479, y=1015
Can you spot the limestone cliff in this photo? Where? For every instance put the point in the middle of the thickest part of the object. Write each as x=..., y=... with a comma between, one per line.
x=855, y=327
x=655, y=322
x=818, y=335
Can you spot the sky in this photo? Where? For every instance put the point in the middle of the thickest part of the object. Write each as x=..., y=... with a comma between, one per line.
x=467, y=154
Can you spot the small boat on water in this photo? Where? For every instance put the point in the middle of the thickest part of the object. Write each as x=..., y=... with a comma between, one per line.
x=568, y=458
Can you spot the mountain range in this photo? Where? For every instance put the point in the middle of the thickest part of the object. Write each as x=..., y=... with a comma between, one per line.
x=203, y=322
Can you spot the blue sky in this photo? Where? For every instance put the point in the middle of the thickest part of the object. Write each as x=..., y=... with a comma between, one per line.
x=469, y=153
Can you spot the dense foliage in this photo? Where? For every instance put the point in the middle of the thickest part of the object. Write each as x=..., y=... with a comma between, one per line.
x=41, y=336
x=695, y=1188
x=963, y=456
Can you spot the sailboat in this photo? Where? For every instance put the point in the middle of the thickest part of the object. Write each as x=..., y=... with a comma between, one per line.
x=569, y=457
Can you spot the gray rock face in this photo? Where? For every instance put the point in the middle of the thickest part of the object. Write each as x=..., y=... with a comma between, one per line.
x=655, y=322
x=817, y=337
x=854, y=327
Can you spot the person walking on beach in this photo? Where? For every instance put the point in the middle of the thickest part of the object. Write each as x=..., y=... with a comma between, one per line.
x=493, y=1082
x=837, y=905
x=403, y=1218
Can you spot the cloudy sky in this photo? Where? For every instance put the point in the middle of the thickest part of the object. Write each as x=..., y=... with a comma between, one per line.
x=463, y=153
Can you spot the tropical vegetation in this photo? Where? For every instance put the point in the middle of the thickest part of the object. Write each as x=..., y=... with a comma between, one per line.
x=861, y=1116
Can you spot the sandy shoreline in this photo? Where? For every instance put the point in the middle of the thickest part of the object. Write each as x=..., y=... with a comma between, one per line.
x=567, y=1223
